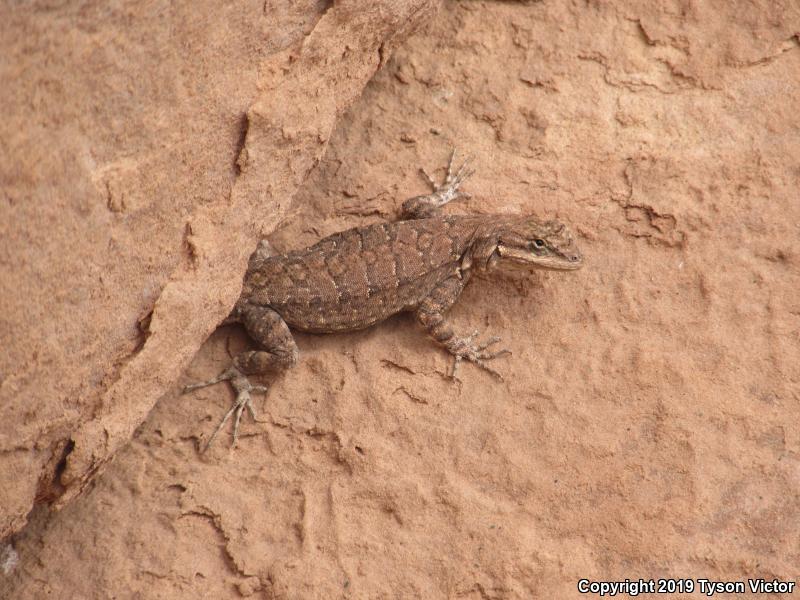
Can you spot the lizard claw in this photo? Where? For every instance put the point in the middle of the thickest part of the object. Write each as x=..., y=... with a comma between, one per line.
x=243, y=388
x=460, y=175
x=448, y=189
x=466, y=349
x=420, y=207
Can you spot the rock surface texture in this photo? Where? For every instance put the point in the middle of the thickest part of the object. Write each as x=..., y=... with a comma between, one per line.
x=647, y=424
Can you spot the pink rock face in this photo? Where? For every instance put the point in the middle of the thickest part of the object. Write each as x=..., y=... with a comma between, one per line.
x=163, y=146
x=644, y=425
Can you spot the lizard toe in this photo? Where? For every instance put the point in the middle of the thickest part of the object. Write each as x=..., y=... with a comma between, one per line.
x=490, y=342
x=226, y=375
x=477, y=353
x=491, y=355
x=479, y=362
x=243, y=401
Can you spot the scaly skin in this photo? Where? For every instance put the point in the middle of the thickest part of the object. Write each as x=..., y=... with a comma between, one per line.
x=359, y=277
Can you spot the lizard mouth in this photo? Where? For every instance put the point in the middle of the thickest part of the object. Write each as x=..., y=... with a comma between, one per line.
x=557, y=262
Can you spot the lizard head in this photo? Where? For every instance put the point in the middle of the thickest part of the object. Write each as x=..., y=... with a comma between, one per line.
x=546, y=245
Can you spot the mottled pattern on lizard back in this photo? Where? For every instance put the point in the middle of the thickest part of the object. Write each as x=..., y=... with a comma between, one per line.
x=361, y=276
x=356, y=278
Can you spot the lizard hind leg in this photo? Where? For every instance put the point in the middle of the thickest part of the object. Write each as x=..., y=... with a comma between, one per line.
x=278, y=352
x=420, y=207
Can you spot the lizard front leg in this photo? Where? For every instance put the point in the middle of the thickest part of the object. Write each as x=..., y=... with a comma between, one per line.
x=420, y=207
x=278, y=352
x=430, y=313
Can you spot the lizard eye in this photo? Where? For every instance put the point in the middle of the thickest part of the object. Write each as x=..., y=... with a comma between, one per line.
x=539, y=243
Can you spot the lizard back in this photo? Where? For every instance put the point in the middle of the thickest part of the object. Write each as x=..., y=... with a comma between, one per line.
x=358, y=277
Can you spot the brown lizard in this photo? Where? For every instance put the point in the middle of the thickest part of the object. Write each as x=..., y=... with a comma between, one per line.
x=359, y=277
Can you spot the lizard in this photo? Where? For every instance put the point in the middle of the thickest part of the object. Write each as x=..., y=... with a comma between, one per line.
x=356, y=278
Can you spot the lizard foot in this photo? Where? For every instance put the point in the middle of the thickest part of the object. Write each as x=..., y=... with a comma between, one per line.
x=467, y=349
x=243, y=387
x=421, y=207
x=448, y=189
